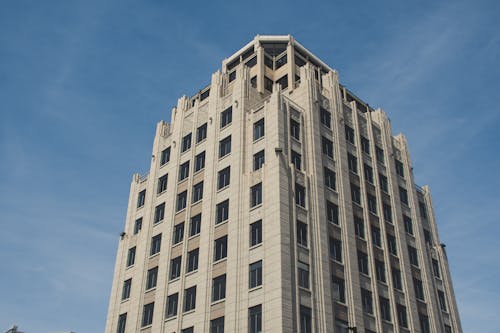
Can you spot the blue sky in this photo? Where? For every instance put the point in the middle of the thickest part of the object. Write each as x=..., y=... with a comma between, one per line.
x=83, y=83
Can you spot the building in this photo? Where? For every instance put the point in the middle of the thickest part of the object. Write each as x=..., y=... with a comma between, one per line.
x=278, y=201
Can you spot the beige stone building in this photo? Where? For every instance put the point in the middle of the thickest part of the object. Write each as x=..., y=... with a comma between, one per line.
x=278, y=201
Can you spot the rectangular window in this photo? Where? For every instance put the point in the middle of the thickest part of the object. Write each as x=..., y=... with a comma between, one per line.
x=396, y=279
x=159, y=213
x=204, y=95
x=447, y=329
x=412, y=253
x=197, y=192
x=178, y=233
x=305, y=319
x=258, y=160
x=303, y=272
x=186, y=143
x=335, y=249
x=181, y=200
x=147, y=314
x=376, y=238
x=402, y=318
x=363, y=263
x=372, y=203
x=403, y=195
x=126, y=289
x=165, y=156
x=435, y=268
x=380, y=154
x=225, y=146
x=329, y=178
x=359, y=227
x=419, y=289
x=295, y=129
x=338, y=289
x=300, y=195
x=442, y=300
x=349, y=134
x=155, y=245
x=195, y=225
x=199, y=161
x=151, y=278
x=188, y=330
x=268, y=83
x=399, y=168
x=423, y=210
x=201, y=133
x=219, y=288
x=256, y=195
x=380, y=270
x=137, y=225
x=355, y=194
x=326, y=117
x=365, y=145
x=172, y=305
x=327, y=147
x=258, y=129
x=192, y=261
x=352, y=162
x=190, y=299
x=162, y=184
x=385, y=308
x=391, y=244
x=424, y=324
x=302, y=233
x=256, y=233
x=220, y=251
x=122, y=323
x=367, y=301
x=255, y=274
x=224, y=178
x=332, y=212
x=387, y=213
x=175, y=267
x=296, y=160
x=226, y=117
x=281, y=62
x=384, y=185
x=141, y=198
x=408, y=224
x=222, y=211
x=255, y=319
x=184, y=171
x=283, y=82
x=217, y=325
x=368, y=173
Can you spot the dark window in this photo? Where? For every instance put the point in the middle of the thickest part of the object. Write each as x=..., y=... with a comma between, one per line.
x=281, y=61
x=253, y=80
x=376, y=238
x=391, y=244
x=232, y=76
x=428, y=236
x=225, y=146
x=442, y=300
x=332, y=212
x=366, y=298
x=151, y=278
x=258, y=129
x=359, y=227
x=131, y=256
x=255, y=319
x=181, y=200
x=141, y=198
x=295, y=129
x=165, y=156
x=175, y=267
x=355, y=194
x=155, y=244
x=184, y=171
x=424, y=324
x=172, y=305
x=224, y=178
x=220, y=250
x=435, y=268
x=326, y=117
x=380, y=270
x=396, y=279
x=201, y=133
x=192, y=260
x=403, y=195
x=349, y=134
x=338, y=289
x=258, y=160
x=217, y=325
x=159, y=213
x=126, y=289
x=122, y=323
x=412, y=253
x=352, y=162
x=447, y=329
x=423, y=210
x=226, y=117
x=303, y=271
x=363, y=263
x=268, y=62
x=302, y=233
x=256, y=233
x=329, y=178
x=252, y=62
x=199, y=161
x=283, y=82
x=327, y=147
x=162, y=184
x=178, y=233
x=147, y=314
x=408, y=224
x=299, y=61
x=365, y=145
x=197, y=192
x=419, y=289
x=402, y=318
x=219, y=288
x=380, y=154
x=256, y=195
x=190, y=299
x=222, y=211
x=186, y=143
x=188, y=330
x=372, y=203
x=399, y=168
x=255, y=274
x=335, y=249
x=204, y=95
x=384, y=185
x=268, y=83
x=368, y=173
x=385, y=308
x=387, y=213
x=300, y=195
x=137, y=226
x=305, y=320
x=195, y=225
x=296, y=160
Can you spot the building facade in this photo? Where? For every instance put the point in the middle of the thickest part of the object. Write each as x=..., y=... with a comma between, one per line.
x=278, y=201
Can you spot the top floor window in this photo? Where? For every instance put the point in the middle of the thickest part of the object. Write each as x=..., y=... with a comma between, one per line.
x=165, y=156
x=141, y=198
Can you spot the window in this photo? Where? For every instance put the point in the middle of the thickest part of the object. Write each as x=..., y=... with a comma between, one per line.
x=368, y=173
x=352, y=162
x=303, y=271
x=258, y=129
x=423, y=210
x=442, y=300
x=197, y=192
x=384, y=185
x=186, y=143
x=435, y=268
x=159, y=213
x=175, y=267
x=188, y=330
x=326, y=117
x=137, y=226
x=366, y=298
x=385, y=308
x=396, y=279
x=376, y=238
x=283, y=82
x=294, y=129
x=252, y=62
x=402, y=319
x=255, y=274
x=355, y=194
x=256, y=233
x=403, y=195
x=201, y=133
x=380, y=154
x=408, y=224
x=199, y=161
x=359, y=227
x=162, y=184
x=419, y=289
x=349, y=134
x=222, y=211
x=327, y=147
x=253, y=80
x=172, y=305
x=141, y=198
x=300, y=195
x=226, y=117
x=126, y=289
x=305, y=319
x=281, y=61
x=399, y=168
x=256, y=195
x=122, y=322
x=220, y=251
x=219, y=288
x=131, y=256
x=363, y=263
x=268, y=83
x=428, y=237
x=329, y=178
x=190, y=299
x=184, y=171
x=332, y=212
x=365, y=145
x=151, y=278
x=424, y=324
x=192, y=261
x=178, y=233
x=412, y=253
x=391, y=244
x=302, y=233
x=296, y=160
x=387, y=210
x=338, y=289
x=258, y=160
x=225, y=146
x=204, y=95
x=380, y=270
x=155, y=245
x=195, y=225
x=447, y=329
x=335, y=249
x=147, y=314
x=223, y=178
x=165, y=156
x=217, y=325
x=372, y=203
x=181, y=200
x=255, y=319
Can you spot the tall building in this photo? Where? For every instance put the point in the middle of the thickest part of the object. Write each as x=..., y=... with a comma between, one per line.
x=278, y=201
